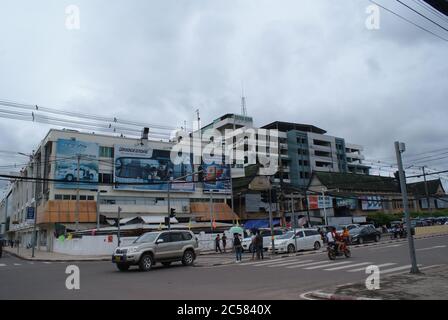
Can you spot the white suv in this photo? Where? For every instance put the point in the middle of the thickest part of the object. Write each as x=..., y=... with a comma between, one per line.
x=303, y=239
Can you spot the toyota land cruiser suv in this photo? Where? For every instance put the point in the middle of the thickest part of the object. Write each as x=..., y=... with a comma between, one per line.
x=153, y=247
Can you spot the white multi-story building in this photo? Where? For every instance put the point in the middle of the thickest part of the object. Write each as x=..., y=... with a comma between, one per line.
x=114, y=172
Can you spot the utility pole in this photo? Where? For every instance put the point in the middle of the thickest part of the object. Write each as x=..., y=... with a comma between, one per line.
x=270, y=219
x=169, y=204
x=118, y=228
x=77, y=194
x=294, y=220
x=325, y=206
x=211, y=211
x=34, y=164
x=399, y=149
x=426, y=189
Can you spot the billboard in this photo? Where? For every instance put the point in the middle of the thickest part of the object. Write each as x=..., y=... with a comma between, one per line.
x=319, y=202
x=146, y=169
x=346, y=202
x=372, y=203
x=216, y=177
x=66, y=168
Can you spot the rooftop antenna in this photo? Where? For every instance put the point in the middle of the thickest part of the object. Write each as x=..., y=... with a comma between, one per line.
x=243, y=102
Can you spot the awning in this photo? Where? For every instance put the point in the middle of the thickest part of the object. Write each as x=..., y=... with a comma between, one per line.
x=220, y=212
x=261, y=223
x=81, y=226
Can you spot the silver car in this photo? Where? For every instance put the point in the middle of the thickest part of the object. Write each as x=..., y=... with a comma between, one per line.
x=152, y=247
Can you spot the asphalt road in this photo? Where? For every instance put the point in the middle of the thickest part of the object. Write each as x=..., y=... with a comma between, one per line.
x=278, y=278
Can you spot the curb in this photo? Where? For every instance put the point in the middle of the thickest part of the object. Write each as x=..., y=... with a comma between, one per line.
x=328, y=296
x=55, y=260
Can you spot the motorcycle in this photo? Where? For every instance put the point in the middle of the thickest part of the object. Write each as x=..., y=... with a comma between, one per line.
x=333, y=252
x=398, y=234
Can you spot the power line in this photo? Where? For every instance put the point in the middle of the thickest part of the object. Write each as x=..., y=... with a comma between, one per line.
x=422, y=15
x=409, y=21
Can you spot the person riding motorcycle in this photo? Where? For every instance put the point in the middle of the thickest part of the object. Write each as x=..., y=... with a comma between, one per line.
x=345, y=235
x=339, y=241
x=330, y=238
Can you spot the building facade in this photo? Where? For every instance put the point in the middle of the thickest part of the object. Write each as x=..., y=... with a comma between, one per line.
x=115, y=173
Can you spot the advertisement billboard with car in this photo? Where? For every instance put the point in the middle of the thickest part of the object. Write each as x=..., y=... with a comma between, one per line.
x=146, y=169
x=216, y=177
x=66, y=164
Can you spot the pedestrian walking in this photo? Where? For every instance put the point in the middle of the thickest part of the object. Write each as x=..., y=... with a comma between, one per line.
x=237, y=246
x=253, y=245
x=217, y=243
x=224, y=242
x=259, y=245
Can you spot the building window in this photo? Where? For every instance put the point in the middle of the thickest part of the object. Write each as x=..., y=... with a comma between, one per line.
x=90, y=198
x=66, y=197
x=106, y=152
x=105, y=178
x=58, y=197
x=83, y=198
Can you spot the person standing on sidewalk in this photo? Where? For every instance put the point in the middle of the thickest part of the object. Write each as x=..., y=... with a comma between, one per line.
x=224, y=242
x=237, y=246
x=259, y=245
x=217, y=245
x=253, y=245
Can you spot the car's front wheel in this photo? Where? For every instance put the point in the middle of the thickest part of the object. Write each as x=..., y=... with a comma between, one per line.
x=122, y=266
x=146, y=262
x=316, y=245
x=377, y=238
x=69, y=177
x=188, y=258
x=291, y=248
x=360, y=240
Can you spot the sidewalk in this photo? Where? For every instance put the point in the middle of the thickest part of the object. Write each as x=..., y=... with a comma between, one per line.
x=51, y=256
x=431, y=284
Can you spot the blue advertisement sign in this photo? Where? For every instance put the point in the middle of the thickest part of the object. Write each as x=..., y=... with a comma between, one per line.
x=30, y=214
x=347, y=202
x=66, y=168
x=216, y=177
x=146, y=169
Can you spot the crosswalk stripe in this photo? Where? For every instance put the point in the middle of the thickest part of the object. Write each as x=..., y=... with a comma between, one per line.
x=17, y=264
x=349, y=266
x=2, y=265
x=46, y=262
x=384, y=247
x=287, y=263
x=379, y=265
x=327, y=265
x=429, y=267
x=397, y=269
x=260, y=262
x=306, y=264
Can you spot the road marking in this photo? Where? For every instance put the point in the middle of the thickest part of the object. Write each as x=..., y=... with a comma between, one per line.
x=260, y=262
x=430, y=248
x=429, y=267
x=17, y=264
x=396, y=269
x=2, y=265
x=350, y=266
x=327, y=265
x=46, y=262
x=391, y=246
x=306, y=264
x=379, y=265
x=288, y=263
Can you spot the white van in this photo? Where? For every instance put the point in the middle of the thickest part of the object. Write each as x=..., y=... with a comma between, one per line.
x=302, y=239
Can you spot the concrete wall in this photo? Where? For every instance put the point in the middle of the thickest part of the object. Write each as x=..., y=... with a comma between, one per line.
x=420, y=231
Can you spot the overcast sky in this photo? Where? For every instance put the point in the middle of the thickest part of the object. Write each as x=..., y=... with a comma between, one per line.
x=310, y=61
